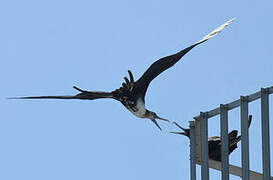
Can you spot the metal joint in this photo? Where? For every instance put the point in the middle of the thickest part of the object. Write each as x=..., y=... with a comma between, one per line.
x=224, y=106
x=204, y=114
x=264, y=90
x=192, y=123
x=244, y=98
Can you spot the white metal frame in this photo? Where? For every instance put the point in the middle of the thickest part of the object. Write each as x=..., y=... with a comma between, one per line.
x=199, y=140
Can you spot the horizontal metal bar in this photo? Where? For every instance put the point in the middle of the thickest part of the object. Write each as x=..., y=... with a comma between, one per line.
x=235, y=170
x=235, y=104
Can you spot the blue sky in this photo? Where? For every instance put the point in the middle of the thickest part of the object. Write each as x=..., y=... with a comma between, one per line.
x=49, y=46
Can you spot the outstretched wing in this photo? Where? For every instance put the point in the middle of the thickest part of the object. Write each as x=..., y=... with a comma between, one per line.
x=84, y=95
x=166, y=62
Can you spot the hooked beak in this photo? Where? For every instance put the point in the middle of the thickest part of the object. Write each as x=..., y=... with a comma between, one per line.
x=175, y=123
x=157, y=117
x=154, y=121
x=180, y=133
x=186, y=132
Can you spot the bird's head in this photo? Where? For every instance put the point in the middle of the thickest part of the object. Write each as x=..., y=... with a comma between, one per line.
x=153, y=115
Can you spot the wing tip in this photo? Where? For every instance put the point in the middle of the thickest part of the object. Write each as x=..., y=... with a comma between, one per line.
x=216, y=31
x=15, y=98
x=233, y=19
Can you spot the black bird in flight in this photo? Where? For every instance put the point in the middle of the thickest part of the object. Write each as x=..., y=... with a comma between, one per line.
x=214, y=142
x=132, y=93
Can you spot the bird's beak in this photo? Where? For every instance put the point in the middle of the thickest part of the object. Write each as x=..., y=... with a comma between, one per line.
x=180, y=133
x=157, y=117
x=175, y=123
x=154, y=121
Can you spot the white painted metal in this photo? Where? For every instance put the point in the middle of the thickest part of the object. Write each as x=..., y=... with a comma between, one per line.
x=245, y=138
x=265, y=133
x=224, y=141
x=204, y=146
x=235, y=170
x=200, y=132
x=236, y=103
x=192, y=150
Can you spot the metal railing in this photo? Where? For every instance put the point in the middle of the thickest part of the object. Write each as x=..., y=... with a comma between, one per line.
x=199, y=140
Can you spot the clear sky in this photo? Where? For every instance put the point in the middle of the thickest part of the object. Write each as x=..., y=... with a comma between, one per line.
x=49, y=46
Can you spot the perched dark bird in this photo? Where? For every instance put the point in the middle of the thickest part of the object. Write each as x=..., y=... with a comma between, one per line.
x=214, y=142
x=132, y=93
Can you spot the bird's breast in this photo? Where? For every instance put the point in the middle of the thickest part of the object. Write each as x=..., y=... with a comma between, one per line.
x=137, y=108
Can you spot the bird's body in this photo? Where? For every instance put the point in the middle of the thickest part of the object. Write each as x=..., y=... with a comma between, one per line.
x=214, y=142
x=214, y=145
x=139, y=109
x=132, y=93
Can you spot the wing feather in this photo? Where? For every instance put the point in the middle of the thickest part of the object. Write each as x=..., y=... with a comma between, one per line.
x=166, y=62
x=84, y=95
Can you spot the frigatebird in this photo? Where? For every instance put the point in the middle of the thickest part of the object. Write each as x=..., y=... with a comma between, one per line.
x=132, y=93
x=214, y=142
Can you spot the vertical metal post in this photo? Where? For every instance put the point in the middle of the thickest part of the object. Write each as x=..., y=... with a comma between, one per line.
x=245, y=139
x=204, y=146
x=224, y=142
x=265, y=133
x=192, y=150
